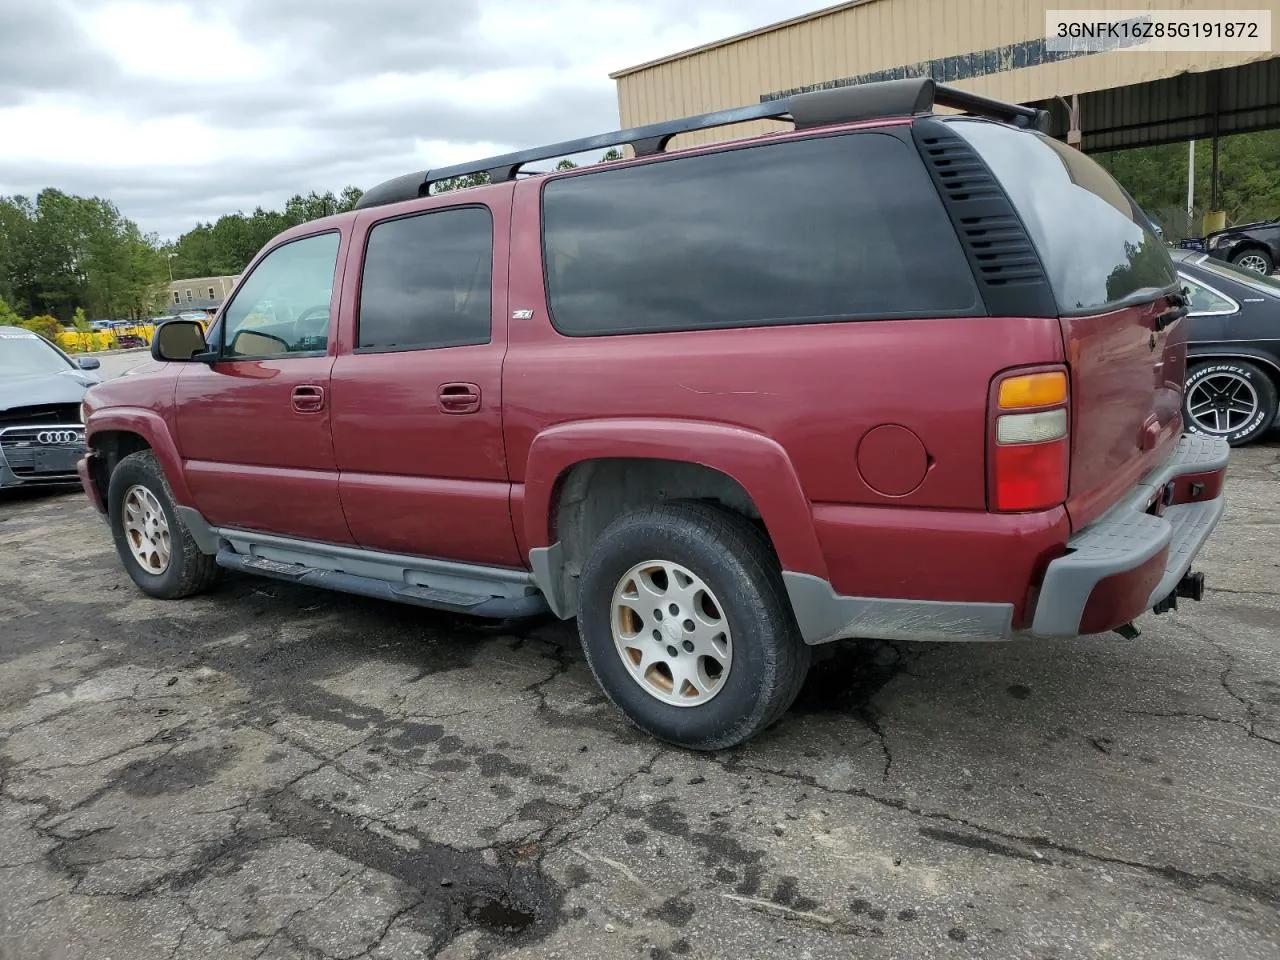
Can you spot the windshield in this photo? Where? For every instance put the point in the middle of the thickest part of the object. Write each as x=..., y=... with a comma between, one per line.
x=1250, y=278
x=25, y=355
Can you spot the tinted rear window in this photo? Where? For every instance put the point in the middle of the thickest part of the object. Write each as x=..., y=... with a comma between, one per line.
x=834, y=228
x=1094, y=242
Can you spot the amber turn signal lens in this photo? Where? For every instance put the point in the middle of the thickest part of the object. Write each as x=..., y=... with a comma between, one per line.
x=1033, y=390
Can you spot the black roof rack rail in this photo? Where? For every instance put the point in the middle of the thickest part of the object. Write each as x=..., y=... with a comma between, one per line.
x=867, y=101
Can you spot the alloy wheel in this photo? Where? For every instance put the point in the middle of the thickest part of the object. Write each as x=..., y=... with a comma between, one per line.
x=1254, y=262
x=146, y=530
x=671, y=633
x=1222, y=403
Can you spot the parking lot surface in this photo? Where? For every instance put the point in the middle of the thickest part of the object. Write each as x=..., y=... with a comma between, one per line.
x=118, y=362
x=270, y=771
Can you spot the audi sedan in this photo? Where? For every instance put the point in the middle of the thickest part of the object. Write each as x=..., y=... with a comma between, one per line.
x=41, y=433
x=1233, y=349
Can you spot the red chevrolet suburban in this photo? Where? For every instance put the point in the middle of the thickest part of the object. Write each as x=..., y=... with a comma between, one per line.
x=893, y=373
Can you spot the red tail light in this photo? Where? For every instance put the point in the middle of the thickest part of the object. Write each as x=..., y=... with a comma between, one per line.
x=1030, y=441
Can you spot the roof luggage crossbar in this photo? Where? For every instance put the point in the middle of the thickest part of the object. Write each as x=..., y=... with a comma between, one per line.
x=868, y=101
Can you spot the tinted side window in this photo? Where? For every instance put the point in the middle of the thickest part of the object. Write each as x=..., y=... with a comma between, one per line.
x=283, y=306
x=427, y=281
x=834, y=228
x=1095, y=244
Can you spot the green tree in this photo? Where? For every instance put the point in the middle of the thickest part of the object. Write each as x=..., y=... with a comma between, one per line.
x=348, y=199
x=47, y=326
x=1248, y=178
x=460, y=183
x=8, y=316
x=613, y=153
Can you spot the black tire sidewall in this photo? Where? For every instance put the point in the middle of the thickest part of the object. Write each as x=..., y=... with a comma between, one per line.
x=1262, y=385
x=145, y=472
x=748, y=604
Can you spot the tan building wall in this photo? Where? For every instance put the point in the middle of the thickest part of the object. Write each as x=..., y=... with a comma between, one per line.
x=862, y=37
x=199, y=292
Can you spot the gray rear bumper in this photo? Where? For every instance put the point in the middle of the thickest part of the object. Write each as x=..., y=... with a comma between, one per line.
x=1127, y=537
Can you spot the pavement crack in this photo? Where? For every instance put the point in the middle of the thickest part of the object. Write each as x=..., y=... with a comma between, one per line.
x=1252, y=712
x=872, y=721
x=414, y=903
x=562, y=664
x=1244, y=887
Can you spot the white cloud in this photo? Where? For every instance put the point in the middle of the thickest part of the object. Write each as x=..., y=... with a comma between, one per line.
x=182, y=110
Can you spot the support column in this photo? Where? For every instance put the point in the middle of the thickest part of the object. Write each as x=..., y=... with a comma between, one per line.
x=1214, y=219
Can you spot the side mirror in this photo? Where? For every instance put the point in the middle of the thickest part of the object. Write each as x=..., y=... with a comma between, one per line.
x=255, y=343
x=178, y=340
x=88, y=363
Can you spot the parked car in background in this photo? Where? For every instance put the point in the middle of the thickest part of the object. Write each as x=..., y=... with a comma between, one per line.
x=705, y=401
x=41, y=389
x=1233, y=350
x=1253, y=246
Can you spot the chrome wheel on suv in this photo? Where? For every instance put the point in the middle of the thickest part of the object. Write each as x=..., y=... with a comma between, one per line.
x=1232, y=399
x=686, y=624
x=671, y=633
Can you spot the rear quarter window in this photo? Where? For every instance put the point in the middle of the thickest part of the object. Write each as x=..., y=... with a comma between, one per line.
x=835, y=228
x=1094, y=243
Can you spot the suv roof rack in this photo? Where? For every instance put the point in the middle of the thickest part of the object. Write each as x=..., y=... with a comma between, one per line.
x=867, y=101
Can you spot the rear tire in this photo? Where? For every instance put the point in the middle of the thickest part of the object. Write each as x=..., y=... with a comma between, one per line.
x=1256, y=260
x=1227, y=398
x=686, y=625
x=155, y=547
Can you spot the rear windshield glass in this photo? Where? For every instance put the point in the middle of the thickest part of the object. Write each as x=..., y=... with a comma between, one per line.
x=1095, y=243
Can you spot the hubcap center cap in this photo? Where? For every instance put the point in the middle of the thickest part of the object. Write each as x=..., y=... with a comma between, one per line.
x=672, y=630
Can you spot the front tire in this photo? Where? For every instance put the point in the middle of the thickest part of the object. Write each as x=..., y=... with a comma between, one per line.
x=686, y=625
x=1232, y=399
x=1259, y=261
x=155, y=547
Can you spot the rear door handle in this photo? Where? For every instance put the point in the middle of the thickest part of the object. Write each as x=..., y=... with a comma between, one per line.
x=307, y=398
x=459, y=397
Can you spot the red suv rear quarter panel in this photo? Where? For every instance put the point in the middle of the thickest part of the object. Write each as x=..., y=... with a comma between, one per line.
x=816, y=390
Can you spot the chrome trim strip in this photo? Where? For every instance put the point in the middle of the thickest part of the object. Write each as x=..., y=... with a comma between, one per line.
x=79, y=427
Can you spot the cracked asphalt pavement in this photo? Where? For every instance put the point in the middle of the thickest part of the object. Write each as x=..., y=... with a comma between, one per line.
x=274, y=772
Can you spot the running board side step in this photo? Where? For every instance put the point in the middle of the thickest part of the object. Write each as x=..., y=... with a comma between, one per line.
x=451, y=601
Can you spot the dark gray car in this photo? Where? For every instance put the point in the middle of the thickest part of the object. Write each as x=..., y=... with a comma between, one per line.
x=41, y=434
x=1233, y=349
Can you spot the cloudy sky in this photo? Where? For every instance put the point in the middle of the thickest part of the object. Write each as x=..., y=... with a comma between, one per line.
x=182, y=110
